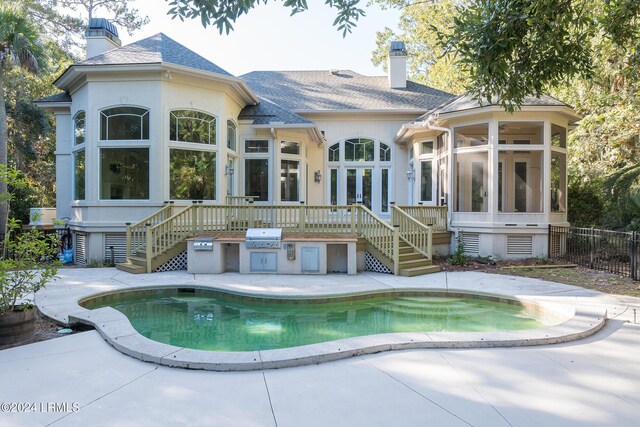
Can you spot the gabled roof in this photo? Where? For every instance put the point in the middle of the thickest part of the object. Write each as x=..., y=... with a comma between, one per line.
x=308, y=91
x=266, y=112
x=156, y=49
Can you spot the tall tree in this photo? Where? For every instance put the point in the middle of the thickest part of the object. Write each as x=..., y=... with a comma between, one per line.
x=20, y=46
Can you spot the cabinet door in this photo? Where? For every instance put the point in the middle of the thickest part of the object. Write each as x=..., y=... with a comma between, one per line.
x=263, y=261
x=310, y=260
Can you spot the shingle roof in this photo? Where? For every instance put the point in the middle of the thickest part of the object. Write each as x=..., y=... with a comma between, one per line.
x=266, y=112
x=468, y=102
x=58, y=97
x=344, y=90
x=155, y=50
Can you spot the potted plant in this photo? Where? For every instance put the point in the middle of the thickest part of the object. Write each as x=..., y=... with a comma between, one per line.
x=27, y=263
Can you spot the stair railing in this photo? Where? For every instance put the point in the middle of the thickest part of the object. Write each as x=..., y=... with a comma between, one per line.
x=137, y=233
x=412, y=231
x=380, y=235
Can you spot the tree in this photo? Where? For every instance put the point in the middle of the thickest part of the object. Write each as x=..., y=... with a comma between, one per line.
x=420, y=27
x=516, y=48
x=223, y=13
x=67, y=29
x=20, y=46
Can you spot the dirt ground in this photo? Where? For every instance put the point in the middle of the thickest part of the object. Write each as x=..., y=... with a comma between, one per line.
x=46, y=329
x=540, y=268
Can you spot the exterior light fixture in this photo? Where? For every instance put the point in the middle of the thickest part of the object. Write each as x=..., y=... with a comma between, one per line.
x=317, y=176
x=410, y=174
x=228, y=170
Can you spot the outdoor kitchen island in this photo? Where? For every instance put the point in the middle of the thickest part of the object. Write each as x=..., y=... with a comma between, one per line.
x=274, y=252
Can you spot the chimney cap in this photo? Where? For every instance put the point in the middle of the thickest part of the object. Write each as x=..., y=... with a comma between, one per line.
x=98, y=25
x=397, y=48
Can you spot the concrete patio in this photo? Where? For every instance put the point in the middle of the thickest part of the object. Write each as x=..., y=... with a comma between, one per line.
x=593, y=381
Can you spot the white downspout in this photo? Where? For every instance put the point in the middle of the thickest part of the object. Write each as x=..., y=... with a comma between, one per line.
x=427, y=123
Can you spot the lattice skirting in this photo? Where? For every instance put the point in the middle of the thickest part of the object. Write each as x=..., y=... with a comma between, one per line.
x=372, y=264
x=179, y=262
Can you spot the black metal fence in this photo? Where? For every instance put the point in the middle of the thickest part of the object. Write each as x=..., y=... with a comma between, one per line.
x=613, y=251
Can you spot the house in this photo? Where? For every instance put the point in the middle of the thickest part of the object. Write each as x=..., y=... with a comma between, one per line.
x=148, y=128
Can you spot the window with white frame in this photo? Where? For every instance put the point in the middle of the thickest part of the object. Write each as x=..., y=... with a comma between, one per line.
x=471, y=160
x=124, y=124
x=289, y=171
x=256, y=169
x=192, y=155
x=124, y=153
x=79, y=139
x=424, y=149
x=79, y=128
x=192, y=126
x=232, y=135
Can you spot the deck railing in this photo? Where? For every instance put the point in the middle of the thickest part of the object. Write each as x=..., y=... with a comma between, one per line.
x=415, y=233
x=435, y=216
x=171, y=225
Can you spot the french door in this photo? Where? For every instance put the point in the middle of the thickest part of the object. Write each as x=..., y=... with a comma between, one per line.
x=359, y=186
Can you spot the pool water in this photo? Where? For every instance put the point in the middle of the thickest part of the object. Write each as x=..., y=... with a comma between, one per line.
x=209, y=320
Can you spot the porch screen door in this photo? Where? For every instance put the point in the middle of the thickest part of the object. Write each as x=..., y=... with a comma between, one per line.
x=359, y=186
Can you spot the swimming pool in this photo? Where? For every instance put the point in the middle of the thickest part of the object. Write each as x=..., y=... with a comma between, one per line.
x=205, y=319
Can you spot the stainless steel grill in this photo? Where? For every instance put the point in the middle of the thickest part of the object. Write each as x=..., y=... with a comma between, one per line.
x=263, y=238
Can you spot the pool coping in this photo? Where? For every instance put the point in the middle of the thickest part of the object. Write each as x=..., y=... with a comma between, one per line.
x=116, y=329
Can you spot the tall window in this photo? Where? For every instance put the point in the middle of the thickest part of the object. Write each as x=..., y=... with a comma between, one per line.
x=289, y=171
x=471, y=168
x=79, y=138
x=79, y=128
x=192, y=155
x=192, y=126
x=426, y=180
x=124, y=123
x=231, y=135
x=520, y=163
x=124, y=167
x=256, y=169
x=78, y=175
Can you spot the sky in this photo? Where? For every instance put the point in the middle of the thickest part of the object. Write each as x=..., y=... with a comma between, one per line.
x=269, y=39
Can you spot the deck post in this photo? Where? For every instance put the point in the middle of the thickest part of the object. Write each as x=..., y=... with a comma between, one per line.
x=303, y=215
x=359, y=224
x=149, y=246
x=194, y=217
x=250, y=214
x=128, y=241
x=396, y=249
x=430, y=241
x=352, y=217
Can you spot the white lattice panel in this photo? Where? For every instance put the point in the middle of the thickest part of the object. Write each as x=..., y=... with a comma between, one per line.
x=179, y=262
x=372, y=264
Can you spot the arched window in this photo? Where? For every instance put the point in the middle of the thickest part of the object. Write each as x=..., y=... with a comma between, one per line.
x=359, y=150
x=124, y=124
x=334, y=152
x=192, y=126
x=385, y=152
x=79, y=128
x=231, y=135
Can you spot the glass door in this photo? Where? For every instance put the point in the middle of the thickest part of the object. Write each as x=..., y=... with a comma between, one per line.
x=359, y=186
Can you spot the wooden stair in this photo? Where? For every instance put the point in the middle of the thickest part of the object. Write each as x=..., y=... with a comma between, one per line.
x=137, y=264
x=412, y=262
